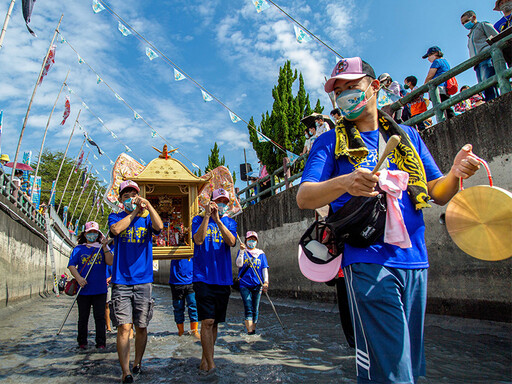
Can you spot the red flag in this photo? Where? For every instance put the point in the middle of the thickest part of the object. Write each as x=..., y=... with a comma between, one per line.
x=67, y=111
x=79, y=163
x=49, y=63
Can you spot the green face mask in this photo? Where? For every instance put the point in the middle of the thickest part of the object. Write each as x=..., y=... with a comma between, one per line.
x=406, y=86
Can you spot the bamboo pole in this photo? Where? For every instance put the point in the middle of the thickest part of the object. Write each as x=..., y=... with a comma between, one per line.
x=25, y=120
x=70, y=174
x=45, y=132
x=80, y=196
x=6, y=21
x=87, y=198
x=54, y=191
x=92, y=208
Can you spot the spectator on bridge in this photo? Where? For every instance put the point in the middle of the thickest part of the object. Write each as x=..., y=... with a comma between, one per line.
x=386, y=283
x=394, y=87
x=336, y=115
x=472, y=102
x=132, y=273
x=321, y=126
x=4, y=159
x=250, y=283
x=94, y=289
x=213, y=236
x=310, y=133
x=180, y=280
x=479, y=32
x=504, y=6
x=438, y=67
x=418, y=105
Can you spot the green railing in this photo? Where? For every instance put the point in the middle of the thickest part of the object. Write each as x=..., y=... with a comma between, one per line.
x=284, y=172
x=20, y=200
x=501, y=78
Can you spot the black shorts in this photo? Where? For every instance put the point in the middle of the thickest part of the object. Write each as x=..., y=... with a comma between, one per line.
x=180, y=291
x=212, y=301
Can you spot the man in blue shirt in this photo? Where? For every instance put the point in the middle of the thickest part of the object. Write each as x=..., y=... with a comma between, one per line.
x=132, y=273
x=213, y=235
x=386, y=283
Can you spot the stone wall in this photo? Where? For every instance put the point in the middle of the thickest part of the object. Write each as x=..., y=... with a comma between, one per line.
x=458, y=284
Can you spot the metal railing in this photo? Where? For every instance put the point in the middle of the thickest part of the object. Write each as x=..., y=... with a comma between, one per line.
x=20, y=200
x=501, y=78
x=245, y=194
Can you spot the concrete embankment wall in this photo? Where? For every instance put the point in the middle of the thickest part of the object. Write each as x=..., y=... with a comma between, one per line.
x=458, y=284
x=25, y=267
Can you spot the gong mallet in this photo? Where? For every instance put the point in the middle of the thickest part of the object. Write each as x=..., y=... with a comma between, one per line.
x=76, y=298
x=261, y=282
x=390, y=146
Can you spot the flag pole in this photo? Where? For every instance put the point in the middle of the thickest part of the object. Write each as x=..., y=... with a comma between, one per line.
x=70, y=174
x=6, y=21
x=32, y=98
x=80, y=196
x=87, y=198
x=77, y=181
x=46, y=131
x=92, y=209
x=54, y=191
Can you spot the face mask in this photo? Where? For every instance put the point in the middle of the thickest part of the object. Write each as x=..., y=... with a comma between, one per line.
x=222, y=208
x=406, y=86
x=128, y=205
x=91, y=237
x=469, y=25
x=307, y=135
x=318, y=124
x=352, y=102
x=251, y=244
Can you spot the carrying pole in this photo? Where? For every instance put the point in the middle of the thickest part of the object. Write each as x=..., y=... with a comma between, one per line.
x=25, y=120
x=45, y=132
x=261, y=282
x=6, y=22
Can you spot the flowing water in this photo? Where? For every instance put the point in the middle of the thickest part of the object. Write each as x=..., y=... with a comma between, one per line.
x=311, y=349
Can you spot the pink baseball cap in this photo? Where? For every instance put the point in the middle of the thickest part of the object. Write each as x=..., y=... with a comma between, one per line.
x=128, y=184
x=218, y=193
x=251, y=234
x=91, y=226
x=351, y=68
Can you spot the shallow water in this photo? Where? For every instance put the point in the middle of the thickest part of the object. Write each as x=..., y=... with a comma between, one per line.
x=311, y=349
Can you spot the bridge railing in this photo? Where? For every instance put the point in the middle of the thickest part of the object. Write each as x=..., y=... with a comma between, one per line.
x=20, y=200
x=501, y=79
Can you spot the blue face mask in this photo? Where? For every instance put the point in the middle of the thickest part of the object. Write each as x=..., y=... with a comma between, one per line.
x=222, y=208
x=91, y=237
x=352, y=103
x=128, y=205
x=251, y=244
x=469, y=25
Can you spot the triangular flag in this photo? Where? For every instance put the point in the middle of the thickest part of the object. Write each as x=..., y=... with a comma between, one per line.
x=97, y=7
x=104, y=168
x=113, y=135
x=125, y=31
x=234, y=118
x=338, y=59
x=301, y=36
x=98, y=79
x=80, y=60
x=292, y=156
x=95, y=157
x=96, y=171
x=105, y=181
x=206, y=96
x=195, y=166
x=118, y=97
x=178, y=75
x=143, y=162
x=101, y=121
x=153, y=133
x=261, y=5
x=261, y=137
x=151, y=54
x=136, y=116
x=127, y=148
x=70, y=90
x=85, y=105
x=111, y=162
x=62, y=39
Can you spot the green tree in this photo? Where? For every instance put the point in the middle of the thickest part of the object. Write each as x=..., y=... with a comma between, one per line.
x=214, y=159
x=48, y=168
x=283, y=124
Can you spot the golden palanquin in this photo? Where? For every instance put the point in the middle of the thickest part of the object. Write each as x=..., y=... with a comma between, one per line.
x=173, y=190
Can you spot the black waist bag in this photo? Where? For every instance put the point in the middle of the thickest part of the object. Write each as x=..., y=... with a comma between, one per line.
x=360, y=222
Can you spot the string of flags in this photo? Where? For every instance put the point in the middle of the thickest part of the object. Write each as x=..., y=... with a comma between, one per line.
x=152, y=53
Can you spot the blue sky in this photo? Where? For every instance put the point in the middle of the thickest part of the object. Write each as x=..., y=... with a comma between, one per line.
x=226, y=46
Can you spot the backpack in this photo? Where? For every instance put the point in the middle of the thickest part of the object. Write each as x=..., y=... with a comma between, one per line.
x=452, y=86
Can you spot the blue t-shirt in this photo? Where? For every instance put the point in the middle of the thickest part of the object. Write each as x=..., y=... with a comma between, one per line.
x=212, y=259
x=249, y=279
x=322, y=165
x=181, y=272
x=501, y=23
x=442, y=67
x=133, y=251
x=97, y=279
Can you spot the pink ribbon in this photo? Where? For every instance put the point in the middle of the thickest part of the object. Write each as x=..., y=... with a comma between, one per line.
x=393, y=183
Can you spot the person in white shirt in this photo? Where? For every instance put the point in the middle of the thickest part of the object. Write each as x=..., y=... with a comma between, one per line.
x=321, y=126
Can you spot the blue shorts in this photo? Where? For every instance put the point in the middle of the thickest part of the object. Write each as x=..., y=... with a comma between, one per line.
x=387, y=306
